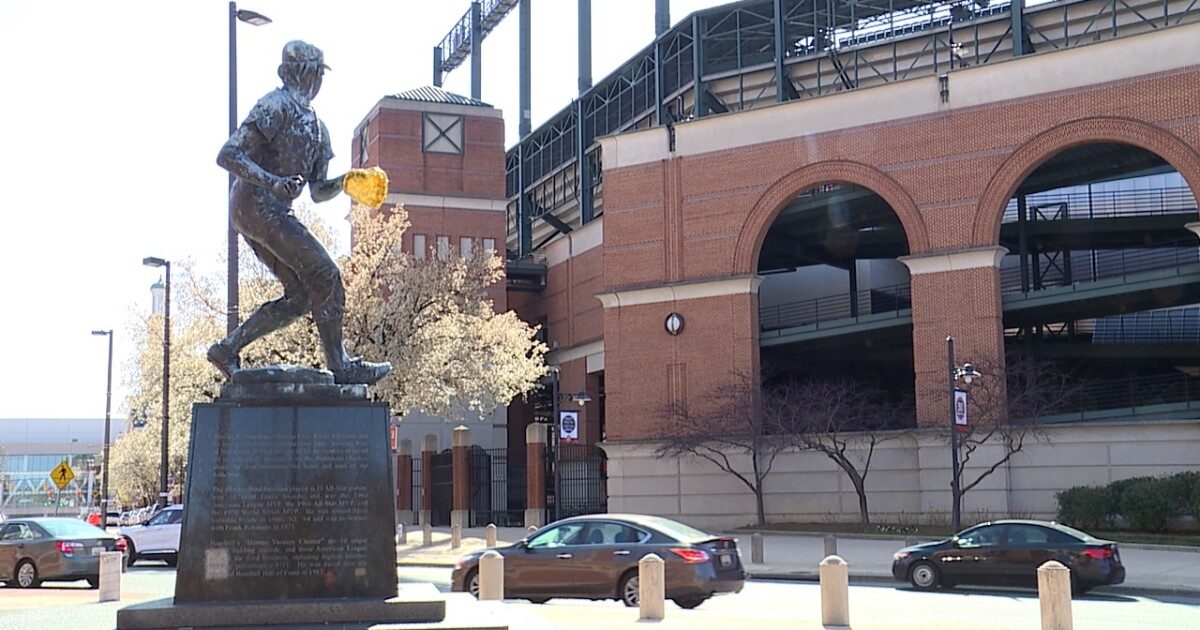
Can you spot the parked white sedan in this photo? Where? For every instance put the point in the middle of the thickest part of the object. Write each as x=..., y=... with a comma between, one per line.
x=156, y=538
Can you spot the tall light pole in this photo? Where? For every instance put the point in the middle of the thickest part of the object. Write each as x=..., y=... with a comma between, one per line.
x=151, y=261
x=556, y=426
x=256, y=19
x=107, y=430
x=967, y=373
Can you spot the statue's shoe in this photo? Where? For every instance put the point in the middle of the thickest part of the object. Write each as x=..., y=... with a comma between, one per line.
x=225, y=359
x=359, y=372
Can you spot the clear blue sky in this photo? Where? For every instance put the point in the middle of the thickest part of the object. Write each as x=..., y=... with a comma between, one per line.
x=113, y=114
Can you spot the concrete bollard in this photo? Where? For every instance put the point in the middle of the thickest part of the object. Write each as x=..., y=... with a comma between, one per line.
x=756, y=548
x=455, y=536
x=401, y=534
x=111, y=565
x=490, y=537
x=835, y=591
x=491, y=576
x=830, y=545
x=652, y=588
x=529, y=530
x=427, y=531
x=1054, y=593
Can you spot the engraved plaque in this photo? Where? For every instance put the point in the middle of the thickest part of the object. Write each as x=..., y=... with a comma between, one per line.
x=287, y=502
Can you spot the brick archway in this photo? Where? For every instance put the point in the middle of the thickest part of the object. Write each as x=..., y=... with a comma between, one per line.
x=1045, y=145
x=762, y=215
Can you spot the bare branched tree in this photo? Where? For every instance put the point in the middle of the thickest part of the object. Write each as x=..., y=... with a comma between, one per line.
x=729, y=423
x=842, y=419
x=1009, y=416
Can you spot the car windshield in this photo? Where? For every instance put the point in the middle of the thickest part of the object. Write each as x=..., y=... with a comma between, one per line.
x=676, y=530
x=67, y=528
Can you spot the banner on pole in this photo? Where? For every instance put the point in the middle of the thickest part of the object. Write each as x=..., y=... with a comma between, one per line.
x=960, y=410
x=568, y=427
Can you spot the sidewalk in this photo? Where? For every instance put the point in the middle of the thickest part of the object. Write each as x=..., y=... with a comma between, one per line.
x=1151, y=569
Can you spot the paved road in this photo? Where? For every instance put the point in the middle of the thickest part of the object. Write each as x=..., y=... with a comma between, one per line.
x=763, y=605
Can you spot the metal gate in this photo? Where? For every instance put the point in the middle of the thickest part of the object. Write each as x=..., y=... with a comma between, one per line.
x=443, y=488
x=582, y=481
x=497, y=488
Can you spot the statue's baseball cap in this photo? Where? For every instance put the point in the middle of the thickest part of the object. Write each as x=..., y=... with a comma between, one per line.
x=297, y=51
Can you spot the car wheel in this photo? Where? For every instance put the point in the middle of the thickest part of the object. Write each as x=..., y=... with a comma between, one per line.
x=924, y=575
x=538, y=600
x=94, y=581
x=472, y=582
x=131, y=551
x=689, y=602
x=628, y=589
x=27, y=575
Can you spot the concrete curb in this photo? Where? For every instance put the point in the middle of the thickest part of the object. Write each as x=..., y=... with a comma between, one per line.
x=776, y=575
x=922, y=539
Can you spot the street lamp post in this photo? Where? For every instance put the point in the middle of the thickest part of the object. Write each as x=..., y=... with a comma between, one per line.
x=556, y=427
x=107, y=430
x=967, y=373
x=256, y=19
x=151, y=261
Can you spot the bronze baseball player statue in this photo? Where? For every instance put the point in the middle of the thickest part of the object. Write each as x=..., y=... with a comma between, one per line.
x=280, y=147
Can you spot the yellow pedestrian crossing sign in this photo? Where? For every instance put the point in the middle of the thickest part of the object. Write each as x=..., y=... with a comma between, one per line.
x=62, y=475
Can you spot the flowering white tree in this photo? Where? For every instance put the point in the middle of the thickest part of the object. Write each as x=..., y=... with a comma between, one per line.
x=453, y=356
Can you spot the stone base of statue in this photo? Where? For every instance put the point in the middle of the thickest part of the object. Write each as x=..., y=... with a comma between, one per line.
x=289, y=515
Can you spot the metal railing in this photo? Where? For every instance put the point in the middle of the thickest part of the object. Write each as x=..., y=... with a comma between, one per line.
x=1088, y=204
x=894, y=300
x=1129, y=393
x=1094, y=265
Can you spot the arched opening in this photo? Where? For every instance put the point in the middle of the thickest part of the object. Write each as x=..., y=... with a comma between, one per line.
x=835, y=302
x=1103, y=277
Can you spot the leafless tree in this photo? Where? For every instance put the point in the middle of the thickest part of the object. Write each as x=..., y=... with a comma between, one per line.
x=843, y=419
x=728, y=423
x=1009, y=416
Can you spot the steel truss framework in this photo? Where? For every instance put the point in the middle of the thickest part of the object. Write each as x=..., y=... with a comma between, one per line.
x=760, y=52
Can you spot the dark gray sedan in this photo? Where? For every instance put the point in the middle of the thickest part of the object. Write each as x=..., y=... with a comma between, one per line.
x=596, y=557
x=36, y=550
x=1008, y=553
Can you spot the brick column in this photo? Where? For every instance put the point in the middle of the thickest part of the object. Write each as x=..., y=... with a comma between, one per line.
x=461, y=439
x=954, y=293
x=404, y=497
x=428, y=450
x=535, y=474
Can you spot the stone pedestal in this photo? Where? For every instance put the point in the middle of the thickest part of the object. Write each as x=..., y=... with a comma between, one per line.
x=289, y=503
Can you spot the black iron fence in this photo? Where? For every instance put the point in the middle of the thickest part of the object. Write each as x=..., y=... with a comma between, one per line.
x=583, y=481
x=497, y=488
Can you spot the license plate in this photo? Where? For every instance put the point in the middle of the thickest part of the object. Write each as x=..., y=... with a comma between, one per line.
x=97, y=551
x=726, y=560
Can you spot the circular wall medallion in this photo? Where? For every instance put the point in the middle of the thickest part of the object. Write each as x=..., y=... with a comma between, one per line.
x=674, y=323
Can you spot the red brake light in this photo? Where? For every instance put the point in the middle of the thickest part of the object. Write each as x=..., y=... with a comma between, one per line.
x=120, y=545
x=691, y=556
x=1099, y=553
x=68, y=547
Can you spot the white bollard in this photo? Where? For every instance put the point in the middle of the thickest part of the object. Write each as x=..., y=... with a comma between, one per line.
x=835, y=591
x=111, y=563
x=401, y=534
x=490, y=537
x=1054, y=593
x=491, y=576
x=756, y=548
x=830, y=545
x=427, y=531
x=455, y=536
x=651, y=588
